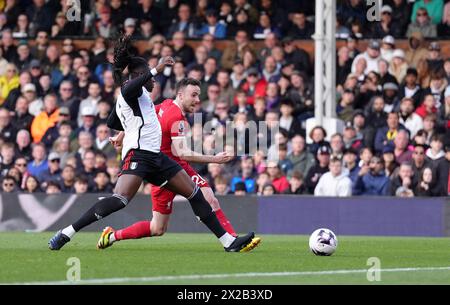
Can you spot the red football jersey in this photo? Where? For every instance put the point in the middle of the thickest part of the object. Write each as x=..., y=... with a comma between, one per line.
x=173, y=124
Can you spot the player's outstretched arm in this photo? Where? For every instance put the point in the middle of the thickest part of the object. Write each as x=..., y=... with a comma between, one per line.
x=181, y=150
x=134, y=86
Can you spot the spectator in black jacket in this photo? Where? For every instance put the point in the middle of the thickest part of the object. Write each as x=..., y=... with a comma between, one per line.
x=23, y=144
x=293, y=54
x=436, y=156
x=315, y=172
x=41, y=16
x=300, y=27
x=296, y=184
x=7, y=130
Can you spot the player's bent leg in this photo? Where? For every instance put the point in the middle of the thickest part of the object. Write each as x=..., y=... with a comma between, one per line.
x=159, y=223
x=211, y=198
x=126, y=188
x=214, y=202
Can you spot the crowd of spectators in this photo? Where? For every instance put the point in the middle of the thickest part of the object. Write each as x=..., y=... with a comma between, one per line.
x=55, y=98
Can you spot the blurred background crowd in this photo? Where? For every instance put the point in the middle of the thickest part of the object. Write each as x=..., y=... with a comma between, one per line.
x=55, y=97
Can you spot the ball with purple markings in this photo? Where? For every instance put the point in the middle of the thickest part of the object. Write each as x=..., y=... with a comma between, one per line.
x=323, y=242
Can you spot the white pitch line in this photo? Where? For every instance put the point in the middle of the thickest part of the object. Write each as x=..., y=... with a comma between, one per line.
x=221, y=276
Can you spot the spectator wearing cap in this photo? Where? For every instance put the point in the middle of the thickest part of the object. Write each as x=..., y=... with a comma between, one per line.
x=434, y=58
x=416, y=52
x=53, y=173
x=350, y=158
x=335, y=182
x=390, y=96
x=317, y=170
x=46, y=119
x=130, y=28
x=372, y=181
x=52, y=133
x=401, y=148
x=371, y=55
x=410, y=87
x=387, y=47
x=247, y=176
x=351, y=138
x=386, y=135
x=408, y=118
x=296, y=184
x=300, y=27
x=398, y=65
x=387, y=25
x=434, y=9
x=278, y=179
x=422, y=23
x=35, y=103
x=212, y=26
x=254, y=86
x=22, y=119
x=88, y=121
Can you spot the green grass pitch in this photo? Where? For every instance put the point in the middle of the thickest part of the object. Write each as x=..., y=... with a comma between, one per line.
x=200, y=259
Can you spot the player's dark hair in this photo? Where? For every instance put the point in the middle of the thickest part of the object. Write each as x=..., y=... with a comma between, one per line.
x=186, y=82
x=123, y=58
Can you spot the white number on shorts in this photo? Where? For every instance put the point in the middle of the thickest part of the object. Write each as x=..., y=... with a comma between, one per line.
x=198, y=180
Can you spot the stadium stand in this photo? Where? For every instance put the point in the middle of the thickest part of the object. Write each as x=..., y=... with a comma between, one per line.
x=255, y=62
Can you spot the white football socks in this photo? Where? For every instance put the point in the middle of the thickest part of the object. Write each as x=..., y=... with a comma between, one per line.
x=227, y=239
x=69, y=231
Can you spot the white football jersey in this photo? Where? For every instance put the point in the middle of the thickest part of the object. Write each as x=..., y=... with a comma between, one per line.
x=140, y=123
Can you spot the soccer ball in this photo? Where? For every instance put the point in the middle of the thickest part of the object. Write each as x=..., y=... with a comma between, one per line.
x=323, y=242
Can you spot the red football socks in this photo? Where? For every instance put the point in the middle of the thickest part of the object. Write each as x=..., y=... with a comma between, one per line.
x=138, y=230
x=225, y=222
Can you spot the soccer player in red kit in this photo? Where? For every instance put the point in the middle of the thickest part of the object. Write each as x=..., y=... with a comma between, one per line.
x=171, y=115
